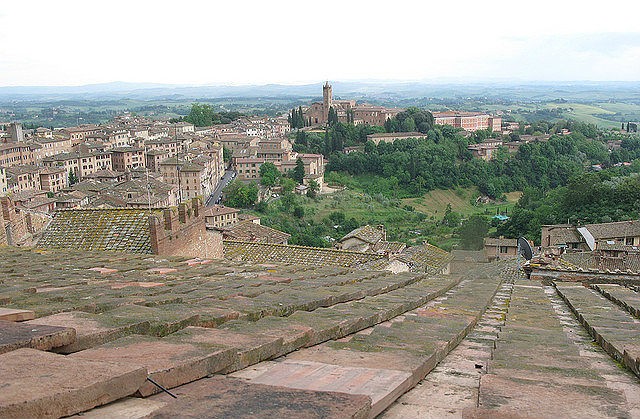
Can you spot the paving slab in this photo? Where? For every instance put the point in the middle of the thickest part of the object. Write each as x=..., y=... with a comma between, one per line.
x=613, y=328
x=537, y=358
x=249, y=348
x=225, y=397
x=308, y=375
x=621, y=295
x=20, y=335
x=46, y=385
x=394, y=355
x=16, y=315
x=170, y=361
x=92, y=329
x=126, y=408
x=163, y=320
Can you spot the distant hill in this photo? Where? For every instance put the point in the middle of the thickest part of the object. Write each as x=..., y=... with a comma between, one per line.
x=391, y=90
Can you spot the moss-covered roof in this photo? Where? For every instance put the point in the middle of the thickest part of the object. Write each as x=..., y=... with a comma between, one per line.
x=296, y=255
x=125, y=230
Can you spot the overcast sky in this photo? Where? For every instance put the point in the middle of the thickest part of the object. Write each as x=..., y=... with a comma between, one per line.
x=74, y=42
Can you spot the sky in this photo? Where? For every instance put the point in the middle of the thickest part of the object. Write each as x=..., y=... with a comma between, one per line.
x=235, y=42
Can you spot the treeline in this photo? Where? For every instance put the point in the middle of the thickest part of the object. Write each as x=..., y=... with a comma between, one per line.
x=203, y=115
x=602, y=197
x=442, y=161
x=334, y=138
x=411, y=120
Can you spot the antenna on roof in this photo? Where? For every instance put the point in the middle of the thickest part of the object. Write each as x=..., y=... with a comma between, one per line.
x=525, y=250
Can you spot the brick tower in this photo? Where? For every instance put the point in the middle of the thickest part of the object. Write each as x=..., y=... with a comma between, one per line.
x=326, y=101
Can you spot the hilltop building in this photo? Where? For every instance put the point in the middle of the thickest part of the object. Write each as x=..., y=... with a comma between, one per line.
x=469, y=121
x=347, y=111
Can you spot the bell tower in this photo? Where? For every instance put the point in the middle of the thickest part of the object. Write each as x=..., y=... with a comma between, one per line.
x=326, y=100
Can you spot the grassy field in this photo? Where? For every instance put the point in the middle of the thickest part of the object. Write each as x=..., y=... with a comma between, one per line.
x=434, y=203
x=410, y=220
x=602, y=114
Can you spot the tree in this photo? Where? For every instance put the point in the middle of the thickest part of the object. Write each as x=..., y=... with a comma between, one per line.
x=298, y=212
x=288, y=185
x=269, y=174
x=451, y=218
x=298, y=171
x=201, y=115
x=472, y=232
x=333, y=117
x=227, y=155
x=73, y=178
x=313, y=188
x=239, y=195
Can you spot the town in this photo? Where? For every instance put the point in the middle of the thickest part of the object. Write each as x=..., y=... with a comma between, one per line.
x=173, y=267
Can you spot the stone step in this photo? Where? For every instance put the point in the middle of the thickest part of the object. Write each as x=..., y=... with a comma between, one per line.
x=615, y=330
x=46, y=385
x=22, y=335
x=395, y=354
x=622, y=296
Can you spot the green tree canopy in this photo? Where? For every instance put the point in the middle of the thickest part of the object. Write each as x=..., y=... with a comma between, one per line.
x=269, y=174
x=472, y=232
x=298, y=171
x=240, y=195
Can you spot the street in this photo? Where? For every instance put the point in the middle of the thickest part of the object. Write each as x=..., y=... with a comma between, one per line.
x=215, y=196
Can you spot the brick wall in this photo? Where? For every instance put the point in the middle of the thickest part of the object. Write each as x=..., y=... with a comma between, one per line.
x=182, y=232
x=3, y=236
x=17, y=227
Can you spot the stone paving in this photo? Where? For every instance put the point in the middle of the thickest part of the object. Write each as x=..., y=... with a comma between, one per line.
x=537, y=359
x=38, y=384
x=625, y=297
x=408, y=346
x=237, y=339
x=180, y=319
x=617, y=331
x=452, y=388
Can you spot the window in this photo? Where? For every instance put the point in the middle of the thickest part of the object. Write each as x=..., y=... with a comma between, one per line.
x=503, y=249
x=629, y=241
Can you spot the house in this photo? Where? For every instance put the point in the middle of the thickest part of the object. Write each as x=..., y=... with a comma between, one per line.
x=220, y=216
x=247, y=231
x=370, y=239
x=390, y=137
x=500, y=248
x=566, y=237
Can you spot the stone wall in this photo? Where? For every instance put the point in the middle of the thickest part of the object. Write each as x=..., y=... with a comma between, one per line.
x=182, y=232
x=14, y=221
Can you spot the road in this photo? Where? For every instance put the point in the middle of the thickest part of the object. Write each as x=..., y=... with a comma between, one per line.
x=214, y=198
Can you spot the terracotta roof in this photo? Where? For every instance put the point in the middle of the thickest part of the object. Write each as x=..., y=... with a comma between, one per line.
x=302, y=255
x=367, y=234
x=252, y=232
x=425, y=258
x=618, y=229
x=125, y=230
x=219, y=210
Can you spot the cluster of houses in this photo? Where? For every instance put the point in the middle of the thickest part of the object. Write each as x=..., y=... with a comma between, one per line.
x=136, y=162
x=599, y=246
